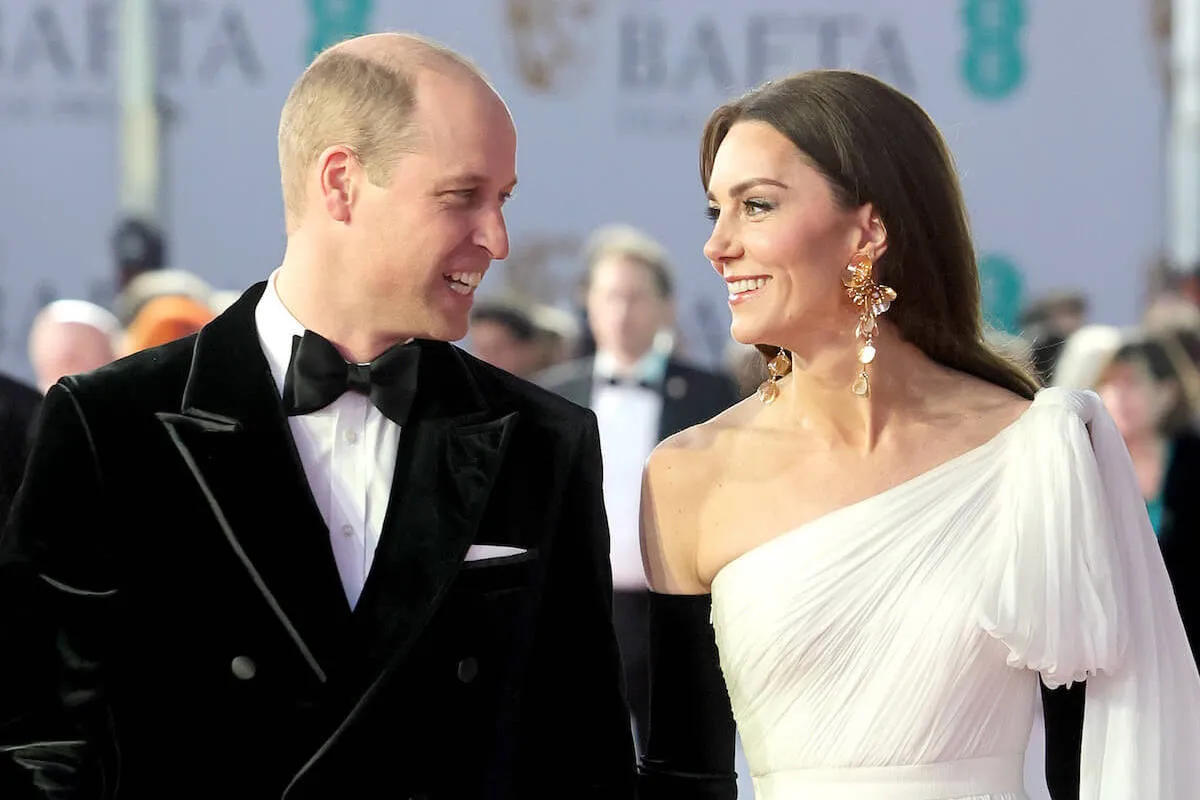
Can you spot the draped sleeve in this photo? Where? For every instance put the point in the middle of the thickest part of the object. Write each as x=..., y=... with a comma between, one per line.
x=1077, y=591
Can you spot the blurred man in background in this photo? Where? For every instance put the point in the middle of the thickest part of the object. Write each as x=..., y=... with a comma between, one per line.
x=521, y=338
x=70, y=337
x=641, y=394
x=504, y=335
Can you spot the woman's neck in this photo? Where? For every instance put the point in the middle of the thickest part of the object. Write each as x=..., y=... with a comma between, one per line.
x=818, y=390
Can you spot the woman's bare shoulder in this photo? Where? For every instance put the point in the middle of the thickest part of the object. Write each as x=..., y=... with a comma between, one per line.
x=693, y=453
x=983, y=407
x=678, y=476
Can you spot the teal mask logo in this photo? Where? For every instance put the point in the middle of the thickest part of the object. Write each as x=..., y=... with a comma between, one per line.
x=993, y=65
x=332, y=21
x=1003, y=289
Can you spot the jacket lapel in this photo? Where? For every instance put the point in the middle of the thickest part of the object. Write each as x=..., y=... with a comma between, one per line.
x=234, y=438
x=449, y=456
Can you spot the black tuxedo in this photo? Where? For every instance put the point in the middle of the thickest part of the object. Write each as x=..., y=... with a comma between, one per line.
x=690, y=395
x=206, y=647
x=18, y=411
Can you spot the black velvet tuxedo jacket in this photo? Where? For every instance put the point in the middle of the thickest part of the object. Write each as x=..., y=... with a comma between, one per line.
x=204, y=646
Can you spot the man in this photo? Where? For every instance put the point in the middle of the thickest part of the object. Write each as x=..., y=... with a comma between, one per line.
x=504, y=335
x=518, y=338
x=304, y=559
x=640, y=395
x=69, y=337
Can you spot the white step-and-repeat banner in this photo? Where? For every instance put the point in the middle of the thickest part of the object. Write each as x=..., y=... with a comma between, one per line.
x=1054, y=111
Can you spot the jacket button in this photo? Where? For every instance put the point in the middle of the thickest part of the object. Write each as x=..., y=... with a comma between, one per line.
x=468, y=669
x=243, y=668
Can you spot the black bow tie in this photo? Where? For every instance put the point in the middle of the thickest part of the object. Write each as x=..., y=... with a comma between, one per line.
x=318, y=375
x=613, y=380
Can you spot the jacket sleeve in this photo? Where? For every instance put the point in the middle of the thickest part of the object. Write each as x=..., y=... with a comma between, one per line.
x=58, y=576
x=580, y=721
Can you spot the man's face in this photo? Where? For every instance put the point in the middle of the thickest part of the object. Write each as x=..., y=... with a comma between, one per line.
x=494, y=342
x=625, y=308
x=428, y=237
x=68, y=348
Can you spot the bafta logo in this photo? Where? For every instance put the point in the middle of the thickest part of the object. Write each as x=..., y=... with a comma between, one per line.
x=551, y=40
x=332, y=21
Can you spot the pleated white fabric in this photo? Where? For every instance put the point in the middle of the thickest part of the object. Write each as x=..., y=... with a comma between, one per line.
x=891, y=648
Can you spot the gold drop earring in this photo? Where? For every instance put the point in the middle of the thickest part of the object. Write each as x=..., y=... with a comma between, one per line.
x=871, y=299
x=777, y=367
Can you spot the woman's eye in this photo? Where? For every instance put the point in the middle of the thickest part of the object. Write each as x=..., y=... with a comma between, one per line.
x=755, y=206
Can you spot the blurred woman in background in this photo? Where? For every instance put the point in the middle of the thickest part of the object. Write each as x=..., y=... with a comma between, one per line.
x=1149, y=387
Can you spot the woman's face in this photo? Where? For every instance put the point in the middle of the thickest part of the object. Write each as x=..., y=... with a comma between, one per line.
x=1135, y=402
x=780, y=239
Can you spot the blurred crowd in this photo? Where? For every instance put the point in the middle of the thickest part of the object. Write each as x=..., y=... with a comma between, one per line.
x=623, y=326
x=158, y=306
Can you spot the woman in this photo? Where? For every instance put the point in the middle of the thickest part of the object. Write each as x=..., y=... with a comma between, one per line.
x=1145, y=389
x=897, y=536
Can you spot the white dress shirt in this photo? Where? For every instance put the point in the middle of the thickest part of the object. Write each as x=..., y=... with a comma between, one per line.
x=348, y=450
x=629, y=416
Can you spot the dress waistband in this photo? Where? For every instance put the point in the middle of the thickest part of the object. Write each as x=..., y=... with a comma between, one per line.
x=941, y=781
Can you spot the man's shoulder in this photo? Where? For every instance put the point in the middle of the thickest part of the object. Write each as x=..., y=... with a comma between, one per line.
x=719, y=385
x=537, y=400
x=696, y=372
x=565, y=374
x=151, y=379
x=18, y=396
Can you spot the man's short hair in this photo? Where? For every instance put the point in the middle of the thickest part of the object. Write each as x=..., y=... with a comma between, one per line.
x=631, y=244
x=363, y=102
x=515, y=319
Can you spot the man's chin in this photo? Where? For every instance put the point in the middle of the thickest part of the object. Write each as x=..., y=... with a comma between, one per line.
x=448, y=330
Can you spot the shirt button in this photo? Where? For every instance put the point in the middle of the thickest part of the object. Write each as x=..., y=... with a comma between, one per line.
x=347, y=531
x=352, y=436
x=243, y=668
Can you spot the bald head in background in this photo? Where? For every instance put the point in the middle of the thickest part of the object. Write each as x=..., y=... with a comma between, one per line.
x=396, y=157
x=69, y=337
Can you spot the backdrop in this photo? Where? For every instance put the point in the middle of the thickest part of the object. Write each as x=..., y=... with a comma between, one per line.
x=1054, y=114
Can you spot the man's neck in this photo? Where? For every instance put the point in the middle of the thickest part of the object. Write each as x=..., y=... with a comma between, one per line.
x=320, y=307
x=625, y=365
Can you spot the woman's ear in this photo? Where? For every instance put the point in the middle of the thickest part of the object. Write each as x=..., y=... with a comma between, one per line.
x=873, y=236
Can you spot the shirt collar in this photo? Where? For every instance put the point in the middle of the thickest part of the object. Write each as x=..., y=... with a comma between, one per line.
x=650, y=368
x=276, y=327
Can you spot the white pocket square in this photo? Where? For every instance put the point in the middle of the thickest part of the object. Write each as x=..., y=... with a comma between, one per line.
x=481, y=552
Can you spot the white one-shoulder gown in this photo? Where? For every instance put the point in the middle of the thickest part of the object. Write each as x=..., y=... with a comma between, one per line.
x=890, y=650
